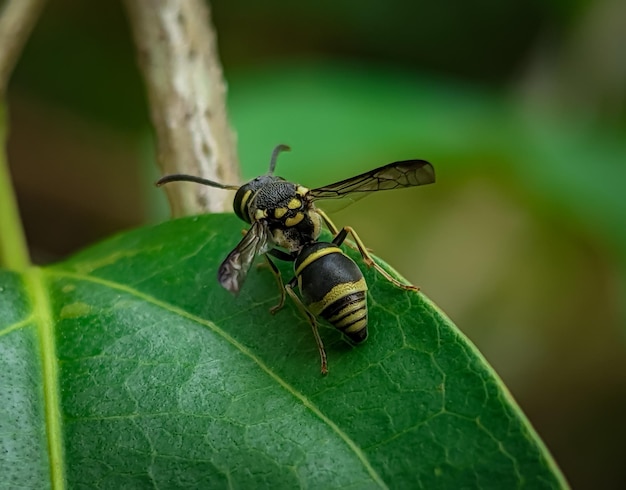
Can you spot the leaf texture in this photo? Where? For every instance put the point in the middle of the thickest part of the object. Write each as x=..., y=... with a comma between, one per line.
x=128, y=366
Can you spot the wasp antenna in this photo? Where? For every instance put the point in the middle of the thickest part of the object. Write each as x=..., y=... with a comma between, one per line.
x=275, y=153
x=192, y=178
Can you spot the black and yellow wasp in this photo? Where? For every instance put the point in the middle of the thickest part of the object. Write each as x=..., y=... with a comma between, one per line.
x=286, y=224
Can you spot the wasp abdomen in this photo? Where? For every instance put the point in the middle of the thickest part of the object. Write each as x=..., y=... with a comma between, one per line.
x=333, y=287
x=349, y=315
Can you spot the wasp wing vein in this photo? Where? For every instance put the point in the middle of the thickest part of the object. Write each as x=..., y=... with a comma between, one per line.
x=396, y=175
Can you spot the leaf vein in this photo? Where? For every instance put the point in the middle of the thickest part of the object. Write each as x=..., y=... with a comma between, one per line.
x=43, y=317
x=17, y=325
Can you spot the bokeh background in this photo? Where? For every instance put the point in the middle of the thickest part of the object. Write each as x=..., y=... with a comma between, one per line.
x=520, y=106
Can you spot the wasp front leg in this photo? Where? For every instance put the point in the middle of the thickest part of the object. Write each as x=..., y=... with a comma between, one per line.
x=367, y=258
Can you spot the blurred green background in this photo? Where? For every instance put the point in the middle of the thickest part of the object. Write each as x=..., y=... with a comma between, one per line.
x=519, y=105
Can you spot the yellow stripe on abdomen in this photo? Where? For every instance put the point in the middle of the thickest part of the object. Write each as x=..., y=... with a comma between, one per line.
x=337, y=292
x=314, y=256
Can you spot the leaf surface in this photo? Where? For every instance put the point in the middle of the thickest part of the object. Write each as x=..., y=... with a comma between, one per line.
x=127, y=366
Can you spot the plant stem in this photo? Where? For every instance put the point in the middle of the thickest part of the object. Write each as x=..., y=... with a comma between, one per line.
x=13, y=250
x=17, y=19
x=177, y=53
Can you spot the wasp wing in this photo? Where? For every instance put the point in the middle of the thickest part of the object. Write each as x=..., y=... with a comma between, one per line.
x=396, y=175
x=232, y=272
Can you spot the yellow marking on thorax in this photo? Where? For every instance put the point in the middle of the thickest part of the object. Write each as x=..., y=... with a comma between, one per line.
x=316, y=255
x=294, y=220
x=280, y=212
x=337, y=292
x=260, y=214
x=294, y=204
x=302, y=191
x=317, y=224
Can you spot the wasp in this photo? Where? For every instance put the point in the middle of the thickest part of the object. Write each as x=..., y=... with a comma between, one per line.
x=286, y=224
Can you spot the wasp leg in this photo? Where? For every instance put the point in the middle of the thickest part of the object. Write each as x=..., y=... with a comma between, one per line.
x=332, y=227
x=367, y=258
x=279, y=281
x=279, y=254
x=311, y=318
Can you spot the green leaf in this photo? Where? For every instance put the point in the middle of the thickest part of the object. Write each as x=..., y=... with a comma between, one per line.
x=127, y=366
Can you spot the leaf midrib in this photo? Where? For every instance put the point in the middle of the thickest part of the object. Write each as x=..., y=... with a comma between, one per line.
x=35, y=285
x=242, y=348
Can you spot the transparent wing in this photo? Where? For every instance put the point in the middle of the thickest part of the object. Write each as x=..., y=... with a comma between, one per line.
x=233, y=271
x=396, y=175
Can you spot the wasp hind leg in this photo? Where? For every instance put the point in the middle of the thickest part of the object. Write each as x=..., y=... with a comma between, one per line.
x=335, y=231
x=332, y=226
x=367, y=258
x=313, y=323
